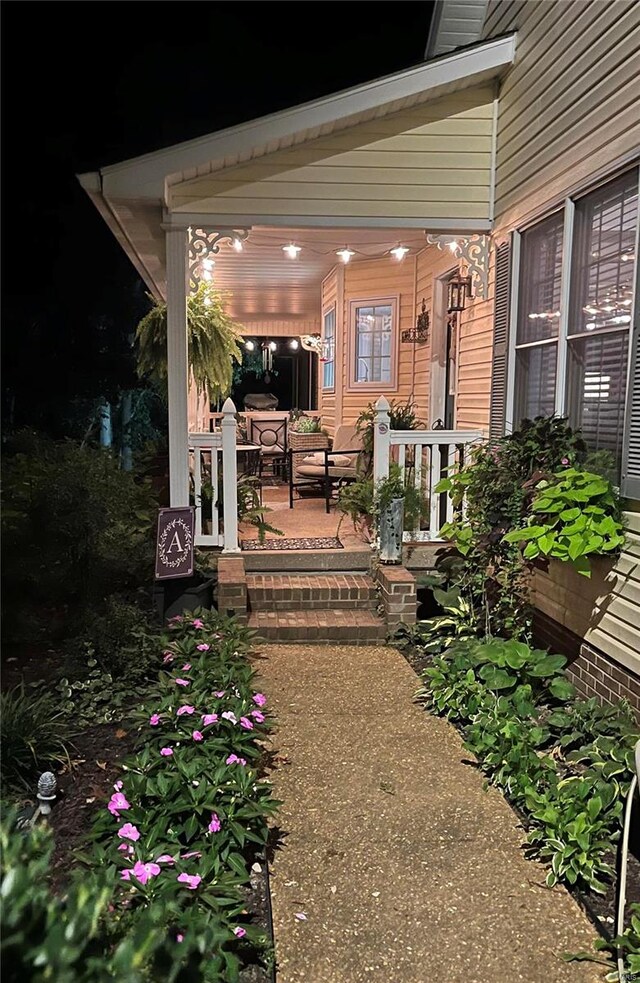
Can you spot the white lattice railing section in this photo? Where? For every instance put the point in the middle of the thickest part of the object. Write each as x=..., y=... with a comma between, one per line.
x=424, y=457
x=213, y=469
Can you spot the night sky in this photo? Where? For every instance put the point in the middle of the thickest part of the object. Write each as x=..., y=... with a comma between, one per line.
x=88, y=84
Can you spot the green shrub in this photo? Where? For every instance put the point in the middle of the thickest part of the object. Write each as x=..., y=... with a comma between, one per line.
x=576, y=514
x=402, y=416
x=116, y=638
x=34, y=735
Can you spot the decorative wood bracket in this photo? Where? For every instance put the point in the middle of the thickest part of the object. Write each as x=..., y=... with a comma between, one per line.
x=473, y=251
x=205, y=243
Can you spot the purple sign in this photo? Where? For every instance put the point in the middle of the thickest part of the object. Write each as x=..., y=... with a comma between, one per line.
x=175, y=543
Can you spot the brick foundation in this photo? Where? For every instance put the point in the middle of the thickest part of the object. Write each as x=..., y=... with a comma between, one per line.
x=398, y=592
x=232, y=587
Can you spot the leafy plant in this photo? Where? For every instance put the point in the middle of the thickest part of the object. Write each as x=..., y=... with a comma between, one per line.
x=34, y=735
x=214, y=342
x=251, y=509
x=402, y=416
x=575, y=515
x=400, y=486
x=435, y=635
x=627, y=945
x=356, y=500
x=300, y=423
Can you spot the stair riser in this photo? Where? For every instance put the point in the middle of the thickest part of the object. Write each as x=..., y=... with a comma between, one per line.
x=308, y=561
x=269, y=599
x=284, y=635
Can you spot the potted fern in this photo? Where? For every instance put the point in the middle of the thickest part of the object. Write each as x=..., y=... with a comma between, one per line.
x=214, y=343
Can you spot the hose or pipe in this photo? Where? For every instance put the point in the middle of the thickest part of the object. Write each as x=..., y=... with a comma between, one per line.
x=622, y=889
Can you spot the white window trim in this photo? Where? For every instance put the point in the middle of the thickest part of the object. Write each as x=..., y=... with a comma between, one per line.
x=352, y=386
x=328, y=310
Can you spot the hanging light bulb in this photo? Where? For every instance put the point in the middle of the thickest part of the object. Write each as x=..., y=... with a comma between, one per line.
x=453, y=246
x=272, y=346
x=399, y=252
x=345, y=254
x=294, y=344
x=250, y=345
x=237, y=245
x=292, y=250
x=208, y=264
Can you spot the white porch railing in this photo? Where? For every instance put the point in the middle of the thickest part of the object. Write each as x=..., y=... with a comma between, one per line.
x=424, y=457
x=212, y=465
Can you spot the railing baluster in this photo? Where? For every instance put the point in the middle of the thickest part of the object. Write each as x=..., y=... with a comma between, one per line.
x=434, y=500
x=197, y=481
x=402, y=452
x=451, y=459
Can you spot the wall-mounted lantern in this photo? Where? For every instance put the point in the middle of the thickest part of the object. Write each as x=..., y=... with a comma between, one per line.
x=458, y=291
x=421, y=331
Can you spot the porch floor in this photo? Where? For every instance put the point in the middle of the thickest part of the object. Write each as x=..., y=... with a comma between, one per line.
x=307, y=518
x=404, y=868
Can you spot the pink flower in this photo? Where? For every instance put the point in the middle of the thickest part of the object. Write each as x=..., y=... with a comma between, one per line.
x=228, y=715
x=260, y=699
x=219, y=693
x=258, y=716
x=203, y=647
x=126, y=847
x=239, y=932
x=129, y=832
x=166, y=858
x=154, y=719
x=191, y=880
x=118, y=786
x=166, y=752
x=186, y=667
x=565, y=460
x=117, y=802
x=197, y=623
x=144, y=872
x=197, y=736
x=182, y=682
x=209, y=718
x=232, y=759
x=176, y=617
x=187, y=856
x=179, y=937
x=168, y=657
x=125, y=875
x=246, y=723
x=215, y=825
x=185, y=709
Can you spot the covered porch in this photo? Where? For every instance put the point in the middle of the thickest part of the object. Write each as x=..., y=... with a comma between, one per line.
x=335, y=228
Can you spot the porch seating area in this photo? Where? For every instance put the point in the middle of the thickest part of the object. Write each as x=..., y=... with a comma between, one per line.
x=322, y=466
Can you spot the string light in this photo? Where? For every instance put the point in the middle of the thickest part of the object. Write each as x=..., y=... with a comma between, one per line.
x=292, y=250
x=237, y=245
x=294, y=344
x=399, y=252
x=250, y=345
x=345, y=254
x=453, y=246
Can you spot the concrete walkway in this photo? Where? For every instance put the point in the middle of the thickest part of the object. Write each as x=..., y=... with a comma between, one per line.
x=406, y=870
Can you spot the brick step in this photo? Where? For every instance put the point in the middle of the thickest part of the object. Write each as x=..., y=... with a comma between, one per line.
x=308, y=561
x=287, y=592
x=353, y=627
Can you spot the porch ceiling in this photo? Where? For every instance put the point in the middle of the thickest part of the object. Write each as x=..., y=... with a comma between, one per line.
x=264, y=283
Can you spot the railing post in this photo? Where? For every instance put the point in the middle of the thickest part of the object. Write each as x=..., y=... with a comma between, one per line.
x=381, y=440
x=229, y=477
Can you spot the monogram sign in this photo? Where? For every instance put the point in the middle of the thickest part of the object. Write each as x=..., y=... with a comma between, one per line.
x=175, y=542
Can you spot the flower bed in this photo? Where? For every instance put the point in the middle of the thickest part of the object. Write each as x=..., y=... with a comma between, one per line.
x=170, y=856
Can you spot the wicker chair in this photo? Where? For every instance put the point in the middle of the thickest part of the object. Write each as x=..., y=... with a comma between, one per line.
x=312, y=463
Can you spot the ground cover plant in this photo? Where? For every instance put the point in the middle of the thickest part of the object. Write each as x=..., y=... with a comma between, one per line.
x=160, y=892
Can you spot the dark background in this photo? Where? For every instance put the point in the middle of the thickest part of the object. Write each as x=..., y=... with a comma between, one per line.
x=86, y=84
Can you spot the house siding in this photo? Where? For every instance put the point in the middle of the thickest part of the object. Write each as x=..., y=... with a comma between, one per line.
x=431, y=162
x=568, y=117
x=329, y=400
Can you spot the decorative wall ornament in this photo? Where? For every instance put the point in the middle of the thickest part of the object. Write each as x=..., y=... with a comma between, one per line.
x=311, y=343
x=205, y=243
x=420, y=332
x=473, y=251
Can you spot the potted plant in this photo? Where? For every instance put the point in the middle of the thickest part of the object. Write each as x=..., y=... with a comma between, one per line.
x=356, y=501
x=398, y=504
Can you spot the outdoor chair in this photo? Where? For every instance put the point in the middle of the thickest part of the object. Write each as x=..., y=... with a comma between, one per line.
x=323, y=467
x=270, y=434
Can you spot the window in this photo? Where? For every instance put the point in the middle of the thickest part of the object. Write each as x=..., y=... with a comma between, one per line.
x=571, y=357
x=538, y=318
x=373, y=349
x=329, y=350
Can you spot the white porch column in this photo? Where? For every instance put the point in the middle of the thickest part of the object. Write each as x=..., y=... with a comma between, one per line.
x=177, y=366
x=381, y=440
x=229, y=477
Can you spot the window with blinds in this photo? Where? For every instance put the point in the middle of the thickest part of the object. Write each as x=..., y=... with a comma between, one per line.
x=600, y=312
x=329, y=349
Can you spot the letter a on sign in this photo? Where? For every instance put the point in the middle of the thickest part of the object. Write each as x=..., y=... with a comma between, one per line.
x=175, y=543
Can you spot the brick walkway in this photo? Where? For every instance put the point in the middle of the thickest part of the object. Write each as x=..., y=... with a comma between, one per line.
x=404, y=869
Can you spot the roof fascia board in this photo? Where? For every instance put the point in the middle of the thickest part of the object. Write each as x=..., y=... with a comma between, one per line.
x=145, y=176
x=202, y=220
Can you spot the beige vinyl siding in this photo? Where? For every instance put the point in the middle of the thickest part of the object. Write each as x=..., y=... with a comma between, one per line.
x=568, y=108
x=327, y=399
x=475, y=356
x=430, y=162
x=432, y=264
x=604, y=610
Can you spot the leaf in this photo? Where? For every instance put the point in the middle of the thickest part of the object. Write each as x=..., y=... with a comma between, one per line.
x=523, y=535
x=102, y=764
x=562, y=689
x=495, y=678
x=120, y=733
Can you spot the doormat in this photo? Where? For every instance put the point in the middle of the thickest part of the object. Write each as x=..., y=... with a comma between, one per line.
x=329, y=543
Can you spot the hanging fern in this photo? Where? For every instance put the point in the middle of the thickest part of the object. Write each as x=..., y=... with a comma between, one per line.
x=214, y=343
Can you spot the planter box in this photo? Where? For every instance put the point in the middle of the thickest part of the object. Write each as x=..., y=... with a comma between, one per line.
x=173, y=597
x=574, y=601
x=303, y=442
